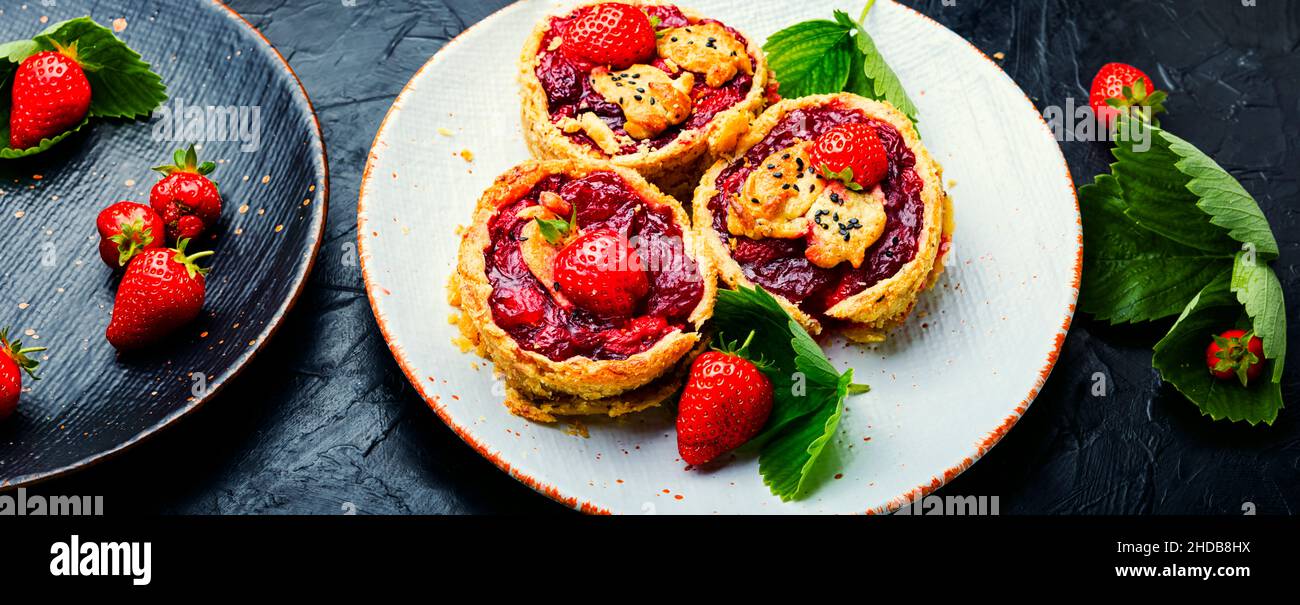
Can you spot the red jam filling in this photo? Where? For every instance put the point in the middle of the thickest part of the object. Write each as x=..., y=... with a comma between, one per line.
x=603, y=200
x=569, y=92
x=779, y=265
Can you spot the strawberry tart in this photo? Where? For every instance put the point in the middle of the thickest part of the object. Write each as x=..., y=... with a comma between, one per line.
x=833, y=205
x=645, y=85
x=580, y=281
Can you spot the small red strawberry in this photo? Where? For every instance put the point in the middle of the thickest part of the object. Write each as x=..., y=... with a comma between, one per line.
x=600, y=272
x=13, y=362
x=185, y=198
x=1118, y=86
x=50, y=96
x=161, y=291
x=126, y=229
x=726, y=402
x=851, y=154
x=1235, y=353
x=614, y=34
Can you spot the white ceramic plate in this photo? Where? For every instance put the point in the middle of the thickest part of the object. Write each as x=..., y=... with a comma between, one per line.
x=946, y=387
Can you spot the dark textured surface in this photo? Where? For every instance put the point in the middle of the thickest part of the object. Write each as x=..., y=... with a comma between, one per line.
x=325, y=417
x=55, y=291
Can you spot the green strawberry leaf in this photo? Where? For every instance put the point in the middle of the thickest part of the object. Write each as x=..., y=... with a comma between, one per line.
x=1222, y=197
x=1132, y=274
x=809, y=58
x=884, y=83
x=1259, y=291
x=808, y=392
x=122, y=85
x=1180, y=358
x=1157, y=195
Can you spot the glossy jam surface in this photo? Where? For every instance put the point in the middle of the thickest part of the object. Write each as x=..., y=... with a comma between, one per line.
x=569, y=91
x=779, y=265
x=603, y=200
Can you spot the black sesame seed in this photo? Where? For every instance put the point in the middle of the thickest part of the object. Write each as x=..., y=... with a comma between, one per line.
x=755, y=200
x=771, y=166
x=785, y=157
x=637, y=97
x=795, y=186
x=836, y=217
x=799, y=162
x=778, y=175
x=785, y=186
x=640, y=90
x=652, y=100
x=674, y=38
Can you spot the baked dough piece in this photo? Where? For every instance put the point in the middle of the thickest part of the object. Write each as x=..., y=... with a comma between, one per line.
x=669, y=149
x=864, y=296
x=542, y=383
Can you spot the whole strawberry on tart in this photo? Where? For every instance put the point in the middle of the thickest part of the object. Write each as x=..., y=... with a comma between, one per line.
x=646, y=85
x=582, y=283
x=832, y=204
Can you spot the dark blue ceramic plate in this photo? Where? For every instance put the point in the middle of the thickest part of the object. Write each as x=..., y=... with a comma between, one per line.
x=54, y=290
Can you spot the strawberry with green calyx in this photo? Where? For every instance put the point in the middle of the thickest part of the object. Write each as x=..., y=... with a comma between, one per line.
x=162, y=290
x=726, y=402
x=1236, y=353
x=51, y=95
x=852, y=154
x=126, y=229
x=1119, y=87
x=185, y=198
x=13, y=363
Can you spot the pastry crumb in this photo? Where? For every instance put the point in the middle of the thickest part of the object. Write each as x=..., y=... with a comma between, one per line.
x=999, y=55
x=446, y=132
x=467, y=155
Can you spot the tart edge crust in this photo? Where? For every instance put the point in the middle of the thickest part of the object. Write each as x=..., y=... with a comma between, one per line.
x=573, y=386
x=897, y=295
x=673, y=167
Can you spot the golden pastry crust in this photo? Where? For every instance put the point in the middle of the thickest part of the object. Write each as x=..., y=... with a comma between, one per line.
x=675, y=167
x=872, y=313
x=530, y=376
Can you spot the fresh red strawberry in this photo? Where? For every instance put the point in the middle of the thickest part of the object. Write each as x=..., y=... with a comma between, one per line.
x=726, y=402
x=185, y=198
x=852, y=154
x=1235, y=353
x=614, y=34
x=601, y=273
x=50, y=96
x=126, y=229
x=161, y=291
x=13, y=362
x=1118, y=86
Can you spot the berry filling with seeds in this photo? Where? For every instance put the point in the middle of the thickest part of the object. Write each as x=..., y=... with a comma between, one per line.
x=810, y=259
x=620, y=78
x=586, y=267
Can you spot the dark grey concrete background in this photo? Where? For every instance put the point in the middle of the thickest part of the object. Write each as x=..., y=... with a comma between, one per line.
x=324, y=416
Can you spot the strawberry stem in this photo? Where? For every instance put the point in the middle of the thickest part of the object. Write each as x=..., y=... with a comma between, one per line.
x=863, y=18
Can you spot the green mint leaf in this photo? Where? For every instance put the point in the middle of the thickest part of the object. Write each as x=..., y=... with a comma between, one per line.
x=809, y=393
x=1180, y=358
x=121, y=84
x=1131, y=274
x=1156, y=193
x=1259, y=291
x=885, y=85
x=812, y=57
x=1222, y=197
